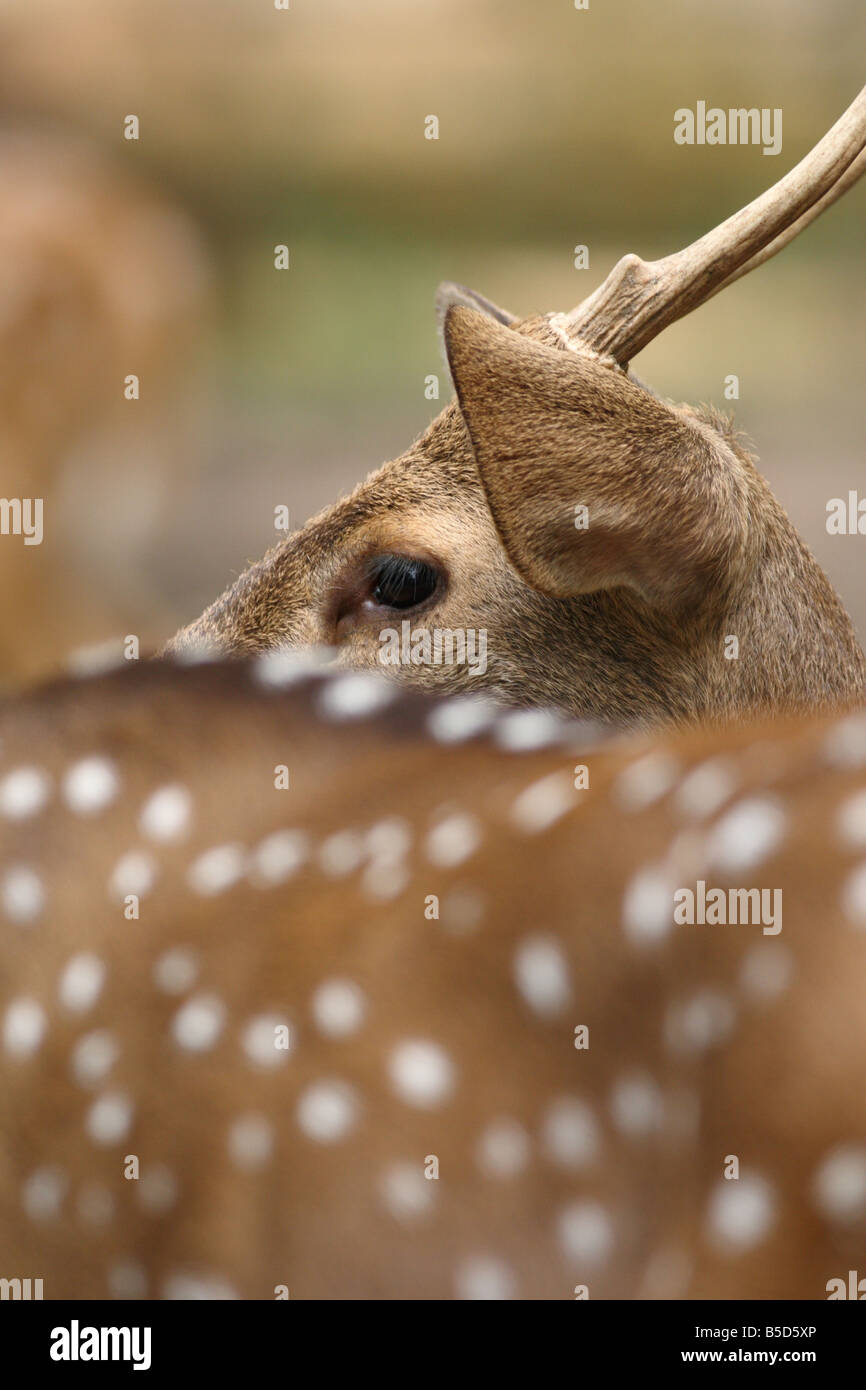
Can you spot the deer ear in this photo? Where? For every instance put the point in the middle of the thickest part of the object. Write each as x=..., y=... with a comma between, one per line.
x=592, y=481
x=450, y=294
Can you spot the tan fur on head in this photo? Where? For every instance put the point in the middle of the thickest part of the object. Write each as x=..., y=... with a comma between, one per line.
x=628, y=618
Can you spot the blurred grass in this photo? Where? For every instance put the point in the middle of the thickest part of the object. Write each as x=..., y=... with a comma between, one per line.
x=353, y=322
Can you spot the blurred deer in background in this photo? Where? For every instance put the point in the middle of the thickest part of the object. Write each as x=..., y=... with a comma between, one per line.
x=97, y=279
x=448, y=1041
x=622, y=555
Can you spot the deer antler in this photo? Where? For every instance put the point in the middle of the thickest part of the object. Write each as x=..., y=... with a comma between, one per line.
x=640, y=298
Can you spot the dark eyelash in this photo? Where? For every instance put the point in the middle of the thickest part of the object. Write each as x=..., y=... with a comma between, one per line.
x=395, y=570
x=398, y=581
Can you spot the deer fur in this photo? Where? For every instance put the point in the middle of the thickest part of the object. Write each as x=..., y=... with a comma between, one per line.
x=626, y=620
x=739, y=1059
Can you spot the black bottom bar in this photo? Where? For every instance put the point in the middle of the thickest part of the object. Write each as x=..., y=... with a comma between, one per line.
x=252, y=1338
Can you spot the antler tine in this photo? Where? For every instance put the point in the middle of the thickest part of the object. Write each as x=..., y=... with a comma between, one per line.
x=639, y=298
x=846, y=181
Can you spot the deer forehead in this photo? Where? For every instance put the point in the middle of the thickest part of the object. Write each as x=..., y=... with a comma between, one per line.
x=440, y=527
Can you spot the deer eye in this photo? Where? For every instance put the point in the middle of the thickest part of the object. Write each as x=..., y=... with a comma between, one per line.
x=396, y=581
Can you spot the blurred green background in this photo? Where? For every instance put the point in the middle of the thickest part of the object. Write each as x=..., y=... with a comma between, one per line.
x=306, y=127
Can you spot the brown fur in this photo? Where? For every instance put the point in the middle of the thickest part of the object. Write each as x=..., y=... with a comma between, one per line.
x=627, y=620
x=782, y=1091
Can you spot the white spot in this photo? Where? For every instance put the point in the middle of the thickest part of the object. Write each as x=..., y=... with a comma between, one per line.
x=704, y=790
x=23, y=1027
x=421, y=1073
x=24, y=792
x=851, y=820
x=694, y=1025
x=176, y=971
x=216, y=870
x=341, y=853
x=585, y=1232
x=854, y=896
x=389, y=840
x=81, y=982
x=766, y=971
x=110, y=1118
x=385, y=879
x=355, y=695
x=261, y=1037
x=198, y=1024
x=90, y=785
x=278, y=857
x=93, y=1057
x=845, y=746
x=405, y=1192
x=839, y=1187
x=43, y=1193
x=189, y=1288
x=23, y=895
x=127, y=1279
x=387, y=844
x=197, y=651
x=503, y=1149
x=541, y=975
x=636, y=1105
x=570, y=1134
x=460, y=718
x=157, y=1189
x=746, y=835
x=327, y=1111
x=740, y=1213
x=95, y=659
x=287, y=666
x=528, y=729
x=648, y=906
x=134, y=873
x=250, y=1142
x=166, y=814
x=645, y=781
x=453, y=840
x=543, y=803
x=338, y=1008
x=95, y=1204
x=482, y=1278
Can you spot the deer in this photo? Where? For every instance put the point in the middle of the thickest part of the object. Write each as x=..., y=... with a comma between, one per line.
x=72, y=325
x=622, y=555
x=456, y=1039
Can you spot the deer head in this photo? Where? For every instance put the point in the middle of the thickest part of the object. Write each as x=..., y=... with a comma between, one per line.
x=611, y=554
